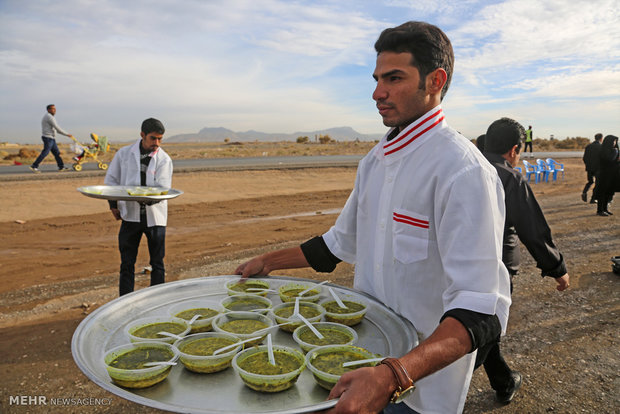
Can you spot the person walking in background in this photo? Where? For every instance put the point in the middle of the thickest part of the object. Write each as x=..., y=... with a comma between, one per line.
x=143, y=163
x=529, y=138
x=609, y=174
x=49, y=127
x=525, y=221
x=592, y=162
x=403, y=226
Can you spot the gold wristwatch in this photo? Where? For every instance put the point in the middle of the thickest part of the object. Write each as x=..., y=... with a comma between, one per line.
x=405, y=383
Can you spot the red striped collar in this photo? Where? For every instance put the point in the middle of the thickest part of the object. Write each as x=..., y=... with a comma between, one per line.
x=414, y=131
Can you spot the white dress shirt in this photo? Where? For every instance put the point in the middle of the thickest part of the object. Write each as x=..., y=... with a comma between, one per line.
x=125, y=170
x=424, y=227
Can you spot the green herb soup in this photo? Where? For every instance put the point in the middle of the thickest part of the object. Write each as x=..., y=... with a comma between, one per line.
x=190, y=313
x=331, y=362
x=136, y=358
x=306, y=311
x=245, y=305
x=244, y=326
x=351, y=307
x=151, y=331
x=331, y=337
x=243, y=287
x=293, y=293
x=258, y=363
x=205, y=346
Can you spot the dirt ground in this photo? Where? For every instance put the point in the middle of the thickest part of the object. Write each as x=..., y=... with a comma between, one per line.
x=60, y=262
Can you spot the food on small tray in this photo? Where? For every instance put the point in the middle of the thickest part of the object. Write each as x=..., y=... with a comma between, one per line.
x=188, y=310
x=196, y=351
x=257, y=372
x=147, y=191
x=127, y=367
x=353, y=313
x=310, y=292
x=244, y=325
x=149, y=329
x=325, y=362
x=333, y=334
x=246, y=303
x=254, y=287
x=283, y=313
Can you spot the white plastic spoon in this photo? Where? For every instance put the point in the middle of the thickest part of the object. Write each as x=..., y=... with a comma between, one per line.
x=296, y=308
x=194, y=318
x=231, y=346
x=153, y=364
x=312, y=328
x=312, y=287
x=171, y=335
x=272, y=359
x=361, y=361
x=337, y=299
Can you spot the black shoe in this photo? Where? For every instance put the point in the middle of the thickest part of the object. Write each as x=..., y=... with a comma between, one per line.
x=584, y=197
x=505, y=397
x=63, y=169
x=602, y=213
x=609, y=213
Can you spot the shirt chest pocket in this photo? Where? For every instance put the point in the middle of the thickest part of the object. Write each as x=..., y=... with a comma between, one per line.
x=410, y=236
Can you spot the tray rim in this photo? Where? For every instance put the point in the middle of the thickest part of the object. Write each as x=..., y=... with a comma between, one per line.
x=172, y=193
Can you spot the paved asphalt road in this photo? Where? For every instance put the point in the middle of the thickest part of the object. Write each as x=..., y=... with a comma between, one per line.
x=22, y=172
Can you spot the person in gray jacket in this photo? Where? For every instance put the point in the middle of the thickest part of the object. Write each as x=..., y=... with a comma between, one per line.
x=49, y=127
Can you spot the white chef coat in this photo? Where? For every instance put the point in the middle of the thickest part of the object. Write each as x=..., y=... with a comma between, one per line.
x=125, y=170
x=424, y=227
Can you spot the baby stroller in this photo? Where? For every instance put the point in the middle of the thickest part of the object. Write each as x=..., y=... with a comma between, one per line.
x=99, y=146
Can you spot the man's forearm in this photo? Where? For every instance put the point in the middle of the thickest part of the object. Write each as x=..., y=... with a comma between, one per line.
x=291, y=258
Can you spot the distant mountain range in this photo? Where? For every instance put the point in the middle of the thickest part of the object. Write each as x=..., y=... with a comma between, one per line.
x=220, y=134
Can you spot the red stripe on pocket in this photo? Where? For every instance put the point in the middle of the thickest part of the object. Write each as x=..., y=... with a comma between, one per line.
x=401, y=218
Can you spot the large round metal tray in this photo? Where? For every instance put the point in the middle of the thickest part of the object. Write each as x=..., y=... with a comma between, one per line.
x=381, y=331
x=119, y=193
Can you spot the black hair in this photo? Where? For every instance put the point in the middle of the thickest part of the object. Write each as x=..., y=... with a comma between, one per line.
x=598, y=137
x=502, y=135
x=429, y=46
x=480, y=142
x=49, y=106
x=152, y=125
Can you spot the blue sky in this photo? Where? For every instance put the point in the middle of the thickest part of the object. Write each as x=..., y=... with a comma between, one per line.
x=288, y=66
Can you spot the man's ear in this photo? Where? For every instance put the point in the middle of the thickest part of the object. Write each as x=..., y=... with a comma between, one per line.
x=142, y=134
x=436, y=80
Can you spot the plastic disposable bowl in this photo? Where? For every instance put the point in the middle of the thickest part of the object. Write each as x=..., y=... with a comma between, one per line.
x=135, y=329
x=236, y=287
x=283, y=313
x=334, y=334
x=196, y=351
x=264, y=377
x=243, y=325
x=140, y=353
x=246, y=303
x=290, y=291
x=325, y=362
x=187, y=310
x=352, y=315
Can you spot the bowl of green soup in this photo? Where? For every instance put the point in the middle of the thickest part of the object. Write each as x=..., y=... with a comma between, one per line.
x=189, y=309
x=196, y=351
x=148, y=329
x=246, y=303
x=247, y=287
x=257, y=372
x=283, y=314
x=333, y=334
x=352, y=314
x=126, y=363
x=306, y=291
x=325, y=362
x=244, y=325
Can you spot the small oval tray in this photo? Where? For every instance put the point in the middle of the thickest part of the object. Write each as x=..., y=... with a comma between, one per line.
x=119, y=193
x=381, y=331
